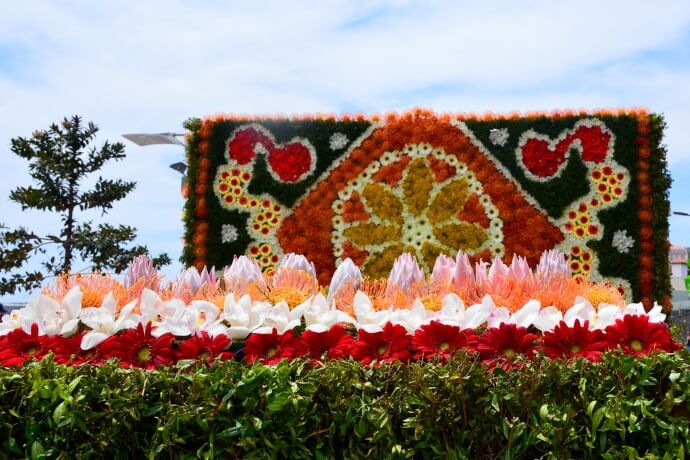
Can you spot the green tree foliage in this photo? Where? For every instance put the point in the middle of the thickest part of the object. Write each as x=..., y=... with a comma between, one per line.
x=61, y=160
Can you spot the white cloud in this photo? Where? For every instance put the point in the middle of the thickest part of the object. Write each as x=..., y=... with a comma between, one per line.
x=147, y=66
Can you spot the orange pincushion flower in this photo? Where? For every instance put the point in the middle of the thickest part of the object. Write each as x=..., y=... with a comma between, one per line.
x=93, y=286
x=292, y=286
x=598, y=293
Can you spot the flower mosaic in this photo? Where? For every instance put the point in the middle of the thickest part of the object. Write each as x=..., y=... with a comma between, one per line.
x=371, y=188
x=422, y=212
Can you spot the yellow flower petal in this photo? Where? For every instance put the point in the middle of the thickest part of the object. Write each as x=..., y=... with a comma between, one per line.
x=462, y=235
x=370, y=233
x=384, y=204
x=417, y=186
x=448, y=201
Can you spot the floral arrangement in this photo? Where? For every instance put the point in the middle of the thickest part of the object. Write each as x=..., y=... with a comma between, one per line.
x=372, y=188
x=501, y=312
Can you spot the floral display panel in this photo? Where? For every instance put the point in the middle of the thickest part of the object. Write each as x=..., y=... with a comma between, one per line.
x=593, y=185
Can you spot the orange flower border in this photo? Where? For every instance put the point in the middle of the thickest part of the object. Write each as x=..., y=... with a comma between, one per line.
x=652, y=178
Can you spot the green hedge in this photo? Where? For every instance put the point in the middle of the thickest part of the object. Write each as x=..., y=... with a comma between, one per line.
x=625, y=407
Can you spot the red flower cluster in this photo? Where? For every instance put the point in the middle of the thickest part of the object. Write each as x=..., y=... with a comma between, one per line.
x=289, y=162
x=542, y=161
x=497, y=347
x=241, y=147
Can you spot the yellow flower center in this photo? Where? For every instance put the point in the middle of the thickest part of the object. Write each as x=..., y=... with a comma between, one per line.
x=381, y=350
x=444, y=346
x=293, y=297
x=31, y=350
x=637, y=345
x=204, y=356
x=271, y=352
x=509, y=353
x=575, y=349
x=144, y=354
x=432, y=303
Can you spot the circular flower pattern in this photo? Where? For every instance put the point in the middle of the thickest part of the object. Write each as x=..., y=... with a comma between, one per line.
x=421, y=204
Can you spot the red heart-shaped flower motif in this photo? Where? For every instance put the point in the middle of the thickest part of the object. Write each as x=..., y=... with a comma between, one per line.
x=290, y=162
x=540, y=159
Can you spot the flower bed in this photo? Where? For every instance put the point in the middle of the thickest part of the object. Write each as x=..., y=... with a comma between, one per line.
x=143, y=323
x=371, y=188
x=487, y=361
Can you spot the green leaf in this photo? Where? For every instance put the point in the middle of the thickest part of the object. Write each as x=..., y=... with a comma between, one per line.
x=37, y=450
x=596, y=419
x=59, y=412
x=544, y=411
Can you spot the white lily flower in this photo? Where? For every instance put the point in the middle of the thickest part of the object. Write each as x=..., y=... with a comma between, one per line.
x=410, y=318
x=103, y=322
x=319, y=316
x=524, y=317
x=548, y=318
x=22, y=317
x=453, y=312
x=197, y=317
x=52, y=317
x=71, y=309
x=154, y=310
x=527, y=315
x=243, y=316
x=281, y=318
x=600, y=318
x=365, y=314
x=656, y=315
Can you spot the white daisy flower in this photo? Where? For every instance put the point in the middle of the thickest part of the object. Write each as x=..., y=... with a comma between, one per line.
x=622, y=241
x=228, y=233
x=338, y=141
x=499, y=136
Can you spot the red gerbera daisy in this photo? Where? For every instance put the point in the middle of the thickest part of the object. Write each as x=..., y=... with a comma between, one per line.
x=637, y=336
x=334, y=343
x=441, y=340
x=271, y=348
x=205, y=348
x=391, y=344
x=68, y=350
x=574, y=342
x=18, y=347
x=501, y=345
x=138, y=348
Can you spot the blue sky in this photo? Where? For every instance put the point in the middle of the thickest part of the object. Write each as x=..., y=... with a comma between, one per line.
x=146, y=66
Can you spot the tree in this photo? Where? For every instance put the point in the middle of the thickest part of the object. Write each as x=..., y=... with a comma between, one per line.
x=60, y=161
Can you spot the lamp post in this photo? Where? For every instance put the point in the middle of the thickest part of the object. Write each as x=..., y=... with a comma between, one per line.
x=145, y=139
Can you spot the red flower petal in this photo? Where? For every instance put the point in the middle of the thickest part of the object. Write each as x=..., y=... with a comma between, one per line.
x=637, y=336
x=501, y=345
x=205, y=348
x=19, y=347
x=438, y=340
x=391, y=344
x=574, y=342
x=334, y=343
x=271, y=348
x=138, y=348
